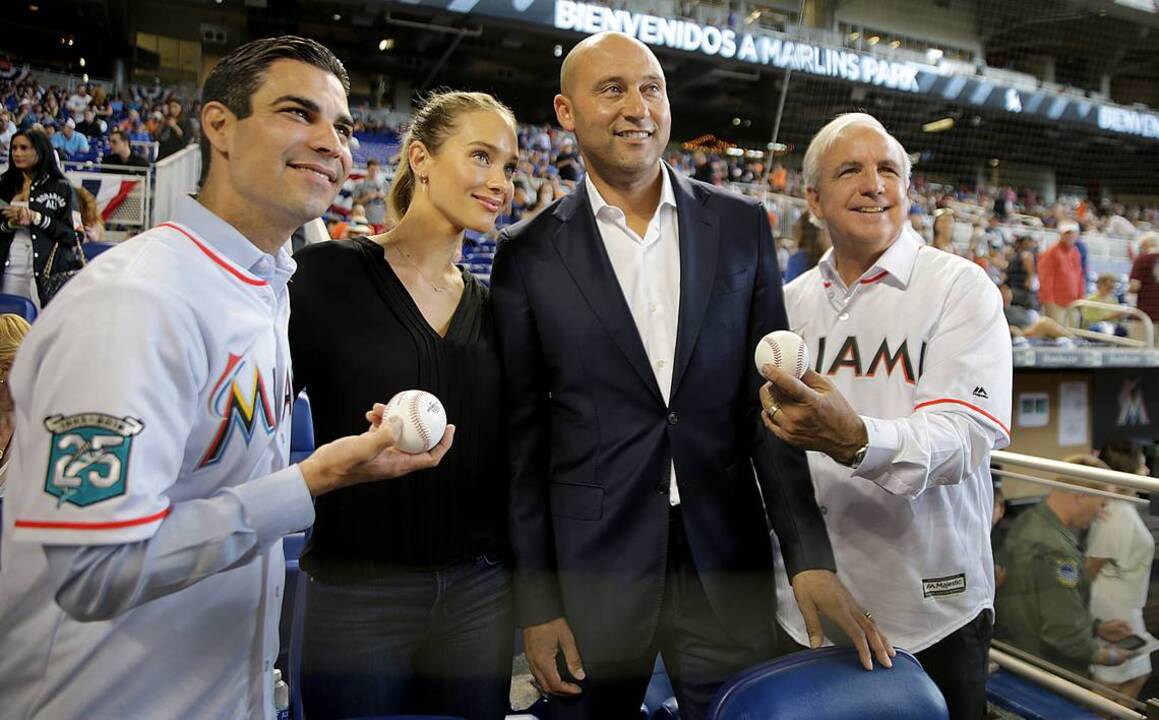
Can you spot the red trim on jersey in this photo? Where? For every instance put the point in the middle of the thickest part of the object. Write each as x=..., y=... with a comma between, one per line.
x=51, y=525
x=875, y=278
x=975, y=408
x=216, y=258
x=826, y=283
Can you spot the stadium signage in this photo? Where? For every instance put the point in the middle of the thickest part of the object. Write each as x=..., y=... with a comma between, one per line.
x=1128, y=122
x=745, y=47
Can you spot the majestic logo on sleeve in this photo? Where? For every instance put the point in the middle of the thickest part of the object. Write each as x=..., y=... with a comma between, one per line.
x=88, y=460
x=240, y=399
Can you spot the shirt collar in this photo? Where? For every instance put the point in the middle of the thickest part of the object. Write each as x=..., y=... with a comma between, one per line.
x=667, y=195
x=227, y=241
x=897, y=261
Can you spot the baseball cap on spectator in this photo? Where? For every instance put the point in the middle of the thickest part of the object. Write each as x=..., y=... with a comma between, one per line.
x=70, y=122
x=1068, y=226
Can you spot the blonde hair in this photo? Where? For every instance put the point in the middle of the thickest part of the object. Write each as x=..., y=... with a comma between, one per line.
x=433, y=123
x=13, y=328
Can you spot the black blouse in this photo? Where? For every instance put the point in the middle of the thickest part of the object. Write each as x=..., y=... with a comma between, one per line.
x=356, y=338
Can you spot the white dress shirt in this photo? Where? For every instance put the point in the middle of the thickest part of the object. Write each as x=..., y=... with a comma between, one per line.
x=648, y=270
x=919, y=347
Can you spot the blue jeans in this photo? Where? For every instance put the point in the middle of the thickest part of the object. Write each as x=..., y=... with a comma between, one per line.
x=431, y=642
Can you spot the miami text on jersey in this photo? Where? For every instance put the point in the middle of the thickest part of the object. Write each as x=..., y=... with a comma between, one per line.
x=239, y=410
x=883, y=359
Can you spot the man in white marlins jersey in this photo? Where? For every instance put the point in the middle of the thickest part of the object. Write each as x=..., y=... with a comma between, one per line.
x=142, y=559
x=909, y=393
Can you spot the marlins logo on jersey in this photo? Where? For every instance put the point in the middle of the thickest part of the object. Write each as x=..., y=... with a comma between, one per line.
x=88, y=457
x=240, y=399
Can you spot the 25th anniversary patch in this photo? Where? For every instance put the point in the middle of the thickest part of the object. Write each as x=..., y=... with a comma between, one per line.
x=88, y=459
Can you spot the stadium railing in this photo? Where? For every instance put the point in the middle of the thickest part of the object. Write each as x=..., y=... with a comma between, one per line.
x=1039, y=672
x=132, y=188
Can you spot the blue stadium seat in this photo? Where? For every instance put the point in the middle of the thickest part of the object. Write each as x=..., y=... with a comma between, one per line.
x=659, y=700
x=1034, y=702
x=17, y=305
x=301, y=430
x=92, y=249
x=829, y=684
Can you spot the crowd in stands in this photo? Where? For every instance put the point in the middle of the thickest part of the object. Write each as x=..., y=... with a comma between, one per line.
x=80, y=122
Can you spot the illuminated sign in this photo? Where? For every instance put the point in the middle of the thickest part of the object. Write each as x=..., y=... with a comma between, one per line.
x=1129, y=122
x=745, y=47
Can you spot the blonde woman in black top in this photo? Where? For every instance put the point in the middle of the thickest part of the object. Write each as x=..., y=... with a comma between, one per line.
x=409, y=601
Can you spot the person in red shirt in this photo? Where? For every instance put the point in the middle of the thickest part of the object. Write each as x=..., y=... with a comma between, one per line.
x=1145, y=275
x=1060, y=273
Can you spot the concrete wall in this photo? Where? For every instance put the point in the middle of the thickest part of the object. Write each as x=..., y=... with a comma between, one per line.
x=920, y=19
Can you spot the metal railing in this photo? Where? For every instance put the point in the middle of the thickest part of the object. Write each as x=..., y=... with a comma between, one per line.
x=1148, y=327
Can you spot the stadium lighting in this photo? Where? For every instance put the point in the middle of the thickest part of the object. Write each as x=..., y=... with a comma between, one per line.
x=935, y=54
x=736, y=121
x=557, y=51
x=385, y=44
x=854, y=35
x=70, y=42
x=873, y=40
x=33, y=8
x=895, y=44
x=734, y=152
x=938, y=125
x=336, y=17
x=994, y=162
x=82, y=62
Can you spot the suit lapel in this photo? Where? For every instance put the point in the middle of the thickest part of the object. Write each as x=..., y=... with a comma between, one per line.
x=577, y=239
x=699, y=242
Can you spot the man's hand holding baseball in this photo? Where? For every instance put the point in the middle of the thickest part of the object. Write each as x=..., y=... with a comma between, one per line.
x=367, y=457
x=811, y=414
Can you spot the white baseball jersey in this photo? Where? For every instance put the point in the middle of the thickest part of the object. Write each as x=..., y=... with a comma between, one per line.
x=919, y=347
x=153, y=405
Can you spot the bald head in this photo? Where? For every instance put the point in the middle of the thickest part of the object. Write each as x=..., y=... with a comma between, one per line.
x=603, y=44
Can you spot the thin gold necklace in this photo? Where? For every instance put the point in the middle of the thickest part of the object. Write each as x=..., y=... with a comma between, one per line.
x=409, y=261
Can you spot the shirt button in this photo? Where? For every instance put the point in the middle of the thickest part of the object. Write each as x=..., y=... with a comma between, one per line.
x=673, y=418
x=824, y=510
x=660, y=364
x=843, y=316
x=266, y=666
x=652, y=307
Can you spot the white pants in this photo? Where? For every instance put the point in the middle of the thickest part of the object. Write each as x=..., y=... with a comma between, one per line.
x=19, y=275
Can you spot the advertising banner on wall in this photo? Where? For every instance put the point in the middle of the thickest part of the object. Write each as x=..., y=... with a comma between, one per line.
x=783, y=51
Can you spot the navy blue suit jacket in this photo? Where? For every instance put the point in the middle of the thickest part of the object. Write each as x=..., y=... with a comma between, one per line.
x=590, y=437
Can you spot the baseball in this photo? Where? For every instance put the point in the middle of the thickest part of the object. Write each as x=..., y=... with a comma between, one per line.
x=785, y=349
x=423, y=420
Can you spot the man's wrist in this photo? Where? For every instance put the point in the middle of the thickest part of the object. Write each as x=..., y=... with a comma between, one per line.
x=320, y=476
x=853, y=451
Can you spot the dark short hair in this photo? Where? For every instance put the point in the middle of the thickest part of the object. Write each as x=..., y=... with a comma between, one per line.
x=238, y=75
x=119, y=133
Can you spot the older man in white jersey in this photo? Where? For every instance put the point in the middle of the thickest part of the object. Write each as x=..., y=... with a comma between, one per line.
x=909, y=393
x=142, y=556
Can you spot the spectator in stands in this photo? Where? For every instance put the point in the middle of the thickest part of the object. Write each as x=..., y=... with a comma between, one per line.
x=77, y=103
x=568, y=162
x=13, y=328
x=597, y=398
x=409, y=601
x=812, y=242
x=1119, y=552
x=39, y=214
x=101, y=106
x=944, y=230
x=7, y=130
x=1060, y=273
x=901, y=447
x=1022, y=273
x=1144, y=278
x=91, y=222
x=1104, y=293
x=174, y=131
x=370, y=193
x=68, y=142
x=90, y=126
x=1044, y=603
x=207, y=514
x=121, y=152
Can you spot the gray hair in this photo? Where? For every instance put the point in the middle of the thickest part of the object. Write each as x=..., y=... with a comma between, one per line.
x=828, y=135
x=1148, y=239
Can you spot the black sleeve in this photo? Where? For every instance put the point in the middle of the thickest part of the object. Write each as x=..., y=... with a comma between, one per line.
x=306, y=293
x=525, y=386
x=782, y=470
